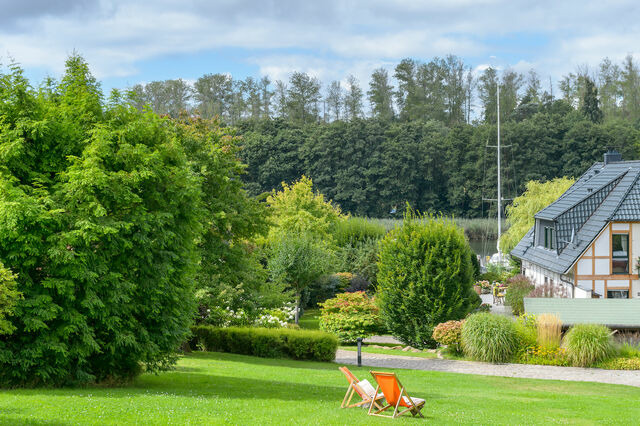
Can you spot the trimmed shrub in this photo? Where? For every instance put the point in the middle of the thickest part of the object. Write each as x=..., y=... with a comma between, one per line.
x=349, y=316
x=519, y=287
x=587, y=344
x=356, y=230
x=450, y=334
x=489, y=338
x=425, y=277
x=266, y=342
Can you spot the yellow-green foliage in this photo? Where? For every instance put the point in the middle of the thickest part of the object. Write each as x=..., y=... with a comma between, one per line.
x=9, y=295
x=621, y=364
x=297, y=209
x=520, y=213
x=549, y=331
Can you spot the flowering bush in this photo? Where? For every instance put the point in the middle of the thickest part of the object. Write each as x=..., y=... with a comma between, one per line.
x=224, y=317
x=349, y=316
x=621, y=364
x=450, y=334
x=275, y=318
x=545, y=356
x=484, y=285
x=485, y=307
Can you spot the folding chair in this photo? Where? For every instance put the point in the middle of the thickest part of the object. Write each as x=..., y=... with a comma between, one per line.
x=395, y=395
x=362, y=388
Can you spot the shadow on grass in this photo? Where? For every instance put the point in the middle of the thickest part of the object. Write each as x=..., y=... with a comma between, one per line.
x=15, y=416
x=272, y=362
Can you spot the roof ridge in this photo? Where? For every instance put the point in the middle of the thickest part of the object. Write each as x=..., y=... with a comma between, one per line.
x=624, y=197
x=591, y=194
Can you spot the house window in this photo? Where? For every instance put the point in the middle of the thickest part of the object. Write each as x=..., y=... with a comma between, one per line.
x=617, y=294
x=548, y=237
x=620, y=254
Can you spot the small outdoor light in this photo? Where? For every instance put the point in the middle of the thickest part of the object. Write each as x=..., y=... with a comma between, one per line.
x=359, y=340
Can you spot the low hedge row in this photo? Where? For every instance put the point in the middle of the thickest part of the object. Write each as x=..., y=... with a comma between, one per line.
x=266, y=342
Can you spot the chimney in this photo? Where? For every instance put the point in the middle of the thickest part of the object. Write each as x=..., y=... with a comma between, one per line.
x=612, y=156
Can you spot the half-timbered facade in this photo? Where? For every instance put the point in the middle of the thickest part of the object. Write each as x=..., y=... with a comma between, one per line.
x=588, y=241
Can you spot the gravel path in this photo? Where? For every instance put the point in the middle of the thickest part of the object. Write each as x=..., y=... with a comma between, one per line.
x=618, y=377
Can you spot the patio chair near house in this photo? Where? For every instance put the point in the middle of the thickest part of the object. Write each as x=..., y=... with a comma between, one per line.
x=362, y=388
x=396, y=396
x=498, y=295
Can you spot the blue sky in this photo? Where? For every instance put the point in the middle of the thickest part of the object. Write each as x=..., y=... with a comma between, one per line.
x=136, y=41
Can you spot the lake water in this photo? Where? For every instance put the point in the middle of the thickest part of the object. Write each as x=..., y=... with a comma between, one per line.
x=484, y=248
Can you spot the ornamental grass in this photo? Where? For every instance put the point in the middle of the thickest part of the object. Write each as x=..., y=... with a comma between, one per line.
x=549, y=331
x=588, y=344
x=490, y=338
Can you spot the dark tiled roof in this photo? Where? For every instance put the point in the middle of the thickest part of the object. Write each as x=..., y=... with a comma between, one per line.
x=629, y=209
x=603, y=193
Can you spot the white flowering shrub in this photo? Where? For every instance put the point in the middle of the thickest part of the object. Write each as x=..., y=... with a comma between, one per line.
x=275, y=318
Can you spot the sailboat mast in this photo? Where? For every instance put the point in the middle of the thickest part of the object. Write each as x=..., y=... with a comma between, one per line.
x=499, y=183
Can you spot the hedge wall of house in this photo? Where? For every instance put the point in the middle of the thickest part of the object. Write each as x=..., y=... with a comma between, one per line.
x=266, y=342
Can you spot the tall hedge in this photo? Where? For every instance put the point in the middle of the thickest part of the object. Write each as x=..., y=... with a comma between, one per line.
x=99, y=218
x=425, y=278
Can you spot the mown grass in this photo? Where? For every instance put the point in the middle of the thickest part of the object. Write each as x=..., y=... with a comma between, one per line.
x=215, y=388
x=370, y=350
x=310, y=319
x=474, y=229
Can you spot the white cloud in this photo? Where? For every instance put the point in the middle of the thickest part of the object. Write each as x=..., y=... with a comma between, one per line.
x=336, y=37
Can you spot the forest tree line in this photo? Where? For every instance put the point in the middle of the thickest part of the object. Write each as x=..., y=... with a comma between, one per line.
x=422, y=135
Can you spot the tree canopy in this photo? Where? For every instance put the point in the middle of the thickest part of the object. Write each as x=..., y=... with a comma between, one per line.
x=537, y=196
x=105, y=214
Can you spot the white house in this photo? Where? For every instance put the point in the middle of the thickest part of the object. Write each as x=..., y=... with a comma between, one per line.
x=589, y=239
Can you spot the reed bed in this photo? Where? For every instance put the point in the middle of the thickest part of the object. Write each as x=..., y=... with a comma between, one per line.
x=474, y=229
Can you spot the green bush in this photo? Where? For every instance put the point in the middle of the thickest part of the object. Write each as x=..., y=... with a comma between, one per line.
x=354, y=230
x=527, y=332
x=489, y=338
x=102, y=207
x=425, y=277
x=9, y=296
x=360, y=258
x=266, y=342
x=519, y=288
x=449, y=334
x=587, y=344
x=349, y=316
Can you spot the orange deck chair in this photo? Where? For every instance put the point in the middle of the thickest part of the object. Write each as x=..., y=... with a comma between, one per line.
x=396, y=396
x=362, y=388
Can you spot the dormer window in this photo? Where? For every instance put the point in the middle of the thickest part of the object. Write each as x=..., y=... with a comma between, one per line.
x=549, y=238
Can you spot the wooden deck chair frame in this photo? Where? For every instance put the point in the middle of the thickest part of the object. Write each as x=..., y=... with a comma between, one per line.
x=412, y=407
x=355, y=389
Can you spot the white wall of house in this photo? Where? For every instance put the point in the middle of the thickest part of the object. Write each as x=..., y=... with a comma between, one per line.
x=540, y=275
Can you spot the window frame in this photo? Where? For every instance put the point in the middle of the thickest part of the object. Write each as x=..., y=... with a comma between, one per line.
x=628, y=257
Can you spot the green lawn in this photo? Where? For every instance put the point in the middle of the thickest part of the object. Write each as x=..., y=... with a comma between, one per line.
x=310, y=319
x=366, y=349
x=215, y=388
